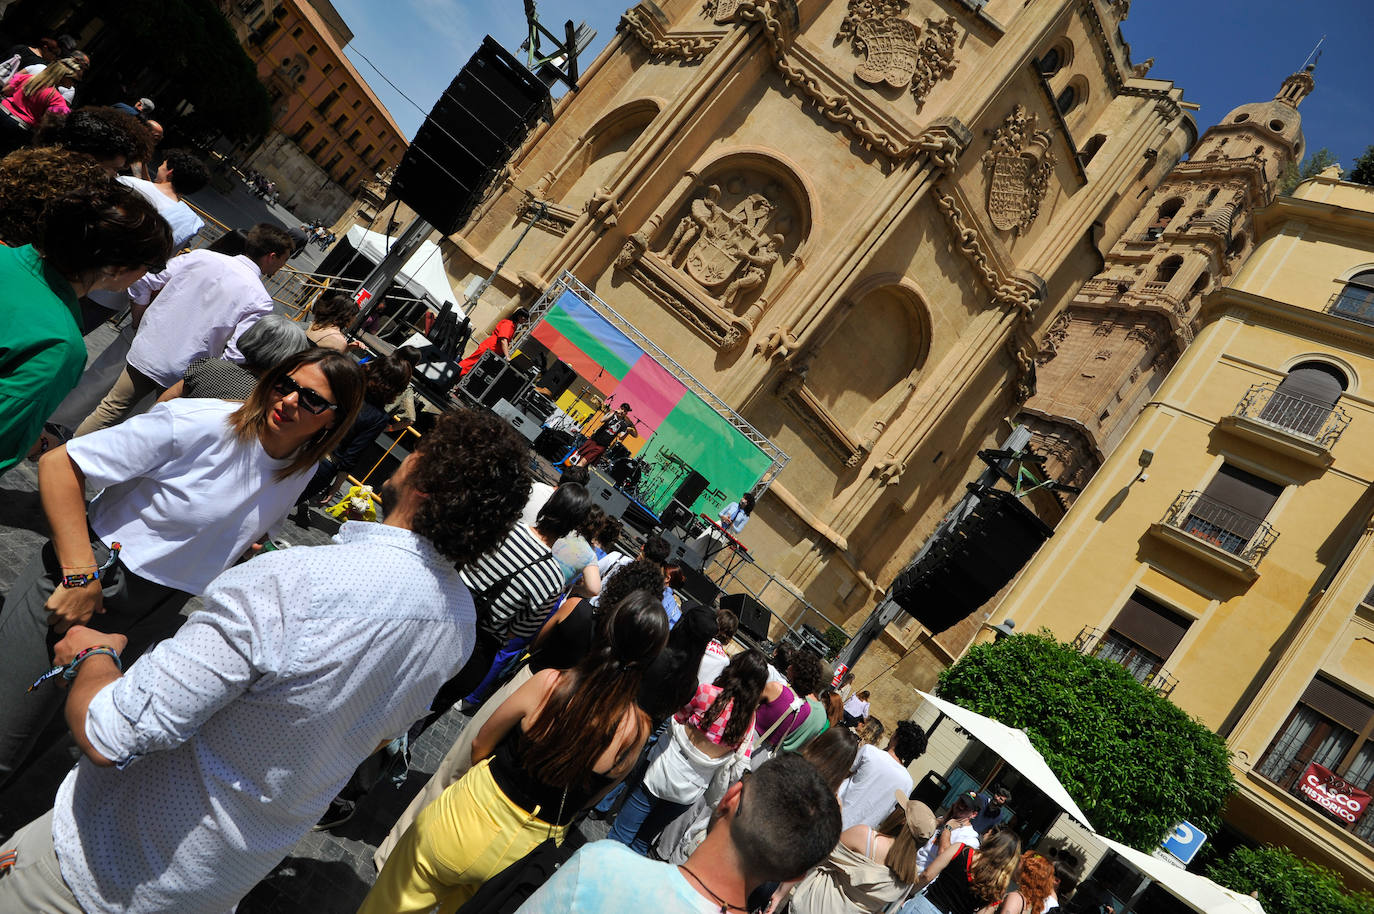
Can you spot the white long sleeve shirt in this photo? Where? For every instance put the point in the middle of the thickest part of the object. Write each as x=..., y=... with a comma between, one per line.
x=231, y=737
x=204, y=302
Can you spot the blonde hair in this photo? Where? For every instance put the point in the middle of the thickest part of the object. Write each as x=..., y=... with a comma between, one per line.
x=994, y=864
x=901, y=857
x=49, y=78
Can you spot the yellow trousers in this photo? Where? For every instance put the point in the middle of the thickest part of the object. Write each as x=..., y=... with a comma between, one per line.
x=462, y=839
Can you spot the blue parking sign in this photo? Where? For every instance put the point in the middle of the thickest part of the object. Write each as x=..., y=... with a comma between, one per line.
x=1185, y=841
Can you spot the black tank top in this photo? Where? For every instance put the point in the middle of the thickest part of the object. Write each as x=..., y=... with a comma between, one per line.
x=525, y=790
x=952, y=890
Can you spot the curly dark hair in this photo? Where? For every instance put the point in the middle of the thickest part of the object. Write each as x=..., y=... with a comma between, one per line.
x=186, y=172
x=30, y=179
x=103, y=226
x=105, y=134
x=640, y=574
x=806, y=673
x=473, y=471
x=908, y=742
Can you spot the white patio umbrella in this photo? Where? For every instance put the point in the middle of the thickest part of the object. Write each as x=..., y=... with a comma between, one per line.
x=1015, y=749
x=1198, y=892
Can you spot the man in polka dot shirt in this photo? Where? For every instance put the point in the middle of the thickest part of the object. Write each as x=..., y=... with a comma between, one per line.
x=210, y=757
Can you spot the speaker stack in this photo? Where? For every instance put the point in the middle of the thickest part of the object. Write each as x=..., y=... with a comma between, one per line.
x=492, y=380
x=690, y=490
x=475, y=127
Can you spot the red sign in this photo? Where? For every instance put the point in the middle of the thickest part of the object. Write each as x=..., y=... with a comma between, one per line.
x=1342, y=799
x=362, y=297
x=839, y=675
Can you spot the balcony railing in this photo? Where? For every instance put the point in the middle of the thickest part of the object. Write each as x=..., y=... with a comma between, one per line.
x=1314, y=420
x=1354, y=303
x=1245, y=536
x=1144, y=666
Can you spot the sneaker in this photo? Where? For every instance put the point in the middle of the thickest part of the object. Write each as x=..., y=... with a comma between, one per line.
x=468, y=707
x=339, y=812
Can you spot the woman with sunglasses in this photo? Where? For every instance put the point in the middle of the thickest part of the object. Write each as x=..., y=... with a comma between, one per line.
x=186, y=488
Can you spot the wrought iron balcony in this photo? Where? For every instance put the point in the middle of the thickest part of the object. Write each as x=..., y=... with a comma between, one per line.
x=1354, y=303
x=1293, y=413
x=1145, y=667
x=1244, y=536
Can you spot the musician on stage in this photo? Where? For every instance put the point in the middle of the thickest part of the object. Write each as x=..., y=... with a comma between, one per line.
x=736, y=514
x=616, y=427
x=499, y=341
x=733, y=517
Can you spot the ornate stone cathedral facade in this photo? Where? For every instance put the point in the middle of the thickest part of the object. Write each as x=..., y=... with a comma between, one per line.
x=872, y=227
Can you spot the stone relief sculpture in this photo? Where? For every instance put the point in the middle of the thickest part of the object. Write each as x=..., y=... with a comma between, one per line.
x=721, y=10
x=892, y=46
x=860, y=11
x=1019, y=164
x=895, y=52
x=936, y=58
x=730, y=252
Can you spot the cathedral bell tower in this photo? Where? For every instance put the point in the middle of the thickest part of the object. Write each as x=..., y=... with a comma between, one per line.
x=1108, y=351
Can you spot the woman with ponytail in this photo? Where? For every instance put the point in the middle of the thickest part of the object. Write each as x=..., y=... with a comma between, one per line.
x=965, y=880
x=549, y=751
x=714, y=727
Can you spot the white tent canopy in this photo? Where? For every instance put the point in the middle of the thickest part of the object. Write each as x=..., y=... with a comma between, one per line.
x=1015, y=749
x=1198, y=892
x=424, y=271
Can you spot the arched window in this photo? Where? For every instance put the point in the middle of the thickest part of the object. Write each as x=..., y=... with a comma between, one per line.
x=1051, y=63
x=1067, y=100
x=1237, y=245
x=1167, y=211
x=1303, y=401
x=1090, y=149
x=1356, y=298
x=1200, y=285
x=1211, y=195
x=1168, y=268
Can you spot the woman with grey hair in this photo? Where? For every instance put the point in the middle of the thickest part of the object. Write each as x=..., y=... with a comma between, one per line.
x=268, y=343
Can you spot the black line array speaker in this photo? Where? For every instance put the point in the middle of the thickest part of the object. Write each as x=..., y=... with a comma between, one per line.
x=691, y=489
x=479, y=121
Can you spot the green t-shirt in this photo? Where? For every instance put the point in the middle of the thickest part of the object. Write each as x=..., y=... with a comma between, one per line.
x=41, y=350
x=815, y=724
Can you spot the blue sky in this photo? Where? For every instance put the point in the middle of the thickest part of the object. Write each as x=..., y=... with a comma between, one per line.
x=1223, y=52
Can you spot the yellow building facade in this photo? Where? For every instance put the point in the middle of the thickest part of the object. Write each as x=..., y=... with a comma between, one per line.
x=1224, y=552
x=919, y=187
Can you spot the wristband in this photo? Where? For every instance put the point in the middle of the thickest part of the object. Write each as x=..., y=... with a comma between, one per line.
x=81, y=580
x=68, y=672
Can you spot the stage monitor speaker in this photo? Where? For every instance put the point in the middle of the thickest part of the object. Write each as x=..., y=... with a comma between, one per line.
x=557, y=378
x=475, y=127
x=508, y=385
x=698, y=586
x=553, y=445
x=525, y=425
x=606, y=496
x=754, y=617
x=676, y=515
x=678, y=553
x=691, y=489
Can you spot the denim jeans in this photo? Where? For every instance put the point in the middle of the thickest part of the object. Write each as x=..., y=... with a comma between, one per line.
x=642, y=818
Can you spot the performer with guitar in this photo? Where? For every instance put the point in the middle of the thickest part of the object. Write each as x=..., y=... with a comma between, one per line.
x=614, y=428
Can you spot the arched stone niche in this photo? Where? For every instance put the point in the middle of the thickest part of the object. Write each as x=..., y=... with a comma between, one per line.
x=725, y=243
x=590, y=164
x=851, y=382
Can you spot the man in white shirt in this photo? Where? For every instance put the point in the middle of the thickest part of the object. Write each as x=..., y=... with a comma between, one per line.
x=219, y=748
x=954, y=828
x=867, y=797
x=196, y=308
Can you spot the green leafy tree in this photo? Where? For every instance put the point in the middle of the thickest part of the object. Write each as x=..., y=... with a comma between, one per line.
x=1134, y=762
x=1287, y=884
x=836, y=638
x=1312, y=166
x=1363, y=172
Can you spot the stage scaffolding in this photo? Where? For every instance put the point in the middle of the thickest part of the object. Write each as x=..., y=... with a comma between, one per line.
x=566, y=282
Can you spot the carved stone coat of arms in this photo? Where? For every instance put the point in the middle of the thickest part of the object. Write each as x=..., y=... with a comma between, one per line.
x=713, y=243
x=1018, y=164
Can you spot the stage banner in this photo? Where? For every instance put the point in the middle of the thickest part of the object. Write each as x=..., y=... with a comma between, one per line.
x=1338, y=797
x=678, y=431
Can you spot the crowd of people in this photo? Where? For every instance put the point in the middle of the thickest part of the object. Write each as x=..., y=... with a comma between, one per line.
x=212, y=741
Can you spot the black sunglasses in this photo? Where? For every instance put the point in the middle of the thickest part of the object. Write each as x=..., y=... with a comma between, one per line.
x=312, y=401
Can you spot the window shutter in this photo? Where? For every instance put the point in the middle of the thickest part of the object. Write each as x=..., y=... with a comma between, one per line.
x=1339, y=705
x=1245, y=492
x=1315, y=383
x=1150, y=625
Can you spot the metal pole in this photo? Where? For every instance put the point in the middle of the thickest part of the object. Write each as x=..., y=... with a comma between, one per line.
x=471, y=301
x=888, y=610
x=375, y=286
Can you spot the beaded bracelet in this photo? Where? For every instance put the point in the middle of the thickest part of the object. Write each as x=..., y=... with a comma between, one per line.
x=68, y=672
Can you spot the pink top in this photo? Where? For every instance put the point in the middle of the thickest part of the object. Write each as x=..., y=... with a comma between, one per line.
x=31, y=109
x=695, y=712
